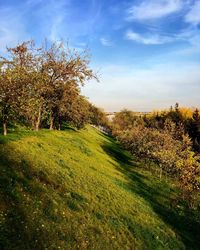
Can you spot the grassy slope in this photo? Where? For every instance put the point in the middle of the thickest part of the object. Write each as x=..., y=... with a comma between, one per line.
x=80, y=190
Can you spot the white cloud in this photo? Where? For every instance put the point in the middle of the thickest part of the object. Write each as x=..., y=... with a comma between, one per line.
x=148, y=39
x=190, y=35
x=148, y=10
x=153, y=9
x=106, y=42
x=193, y=16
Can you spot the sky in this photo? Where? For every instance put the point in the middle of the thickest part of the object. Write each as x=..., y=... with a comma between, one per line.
x=146, y=52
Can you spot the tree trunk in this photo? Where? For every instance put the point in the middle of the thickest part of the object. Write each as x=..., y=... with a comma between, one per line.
x=59, y=126
x=59, y=123
x=51, y=122
x=37, y=124
x=4, y=128
x=160, y=173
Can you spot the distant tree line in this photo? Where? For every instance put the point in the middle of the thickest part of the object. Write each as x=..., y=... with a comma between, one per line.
x=182, y=117
x=40, y=87
x=170, y=139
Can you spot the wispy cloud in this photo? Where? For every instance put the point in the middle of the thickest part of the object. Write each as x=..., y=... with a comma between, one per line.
x=50, y=16
x=17, y=22
x=148, y=39
x=193, y=16
x=153, y=9
x=190, y=36
x=12, y=29
x=54, y=32
x=106, y=42
x=53, y=20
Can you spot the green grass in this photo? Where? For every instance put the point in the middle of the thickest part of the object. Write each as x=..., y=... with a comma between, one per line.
x=80, y=190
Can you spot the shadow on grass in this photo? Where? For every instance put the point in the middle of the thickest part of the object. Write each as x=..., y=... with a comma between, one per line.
x=28, y=218
x=67, y=127
x=25, y=204
x=114, y=149
x=15, y=229
x=157, y=193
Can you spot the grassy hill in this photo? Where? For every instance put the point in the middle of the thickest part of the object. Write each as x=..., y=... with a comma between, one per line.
x=80, y=190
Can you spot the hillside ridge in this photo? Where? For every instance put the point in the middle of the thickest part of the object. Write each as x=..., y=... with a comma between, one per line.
x=80, y=190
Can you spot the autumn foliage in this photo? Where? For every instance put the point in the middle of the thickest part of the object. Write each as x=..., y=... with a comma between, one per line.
x=166, y=144
x=41, y=86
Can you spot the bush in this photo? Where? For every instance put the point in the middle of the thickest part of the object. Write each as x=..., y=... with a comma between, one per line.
x=171, y=149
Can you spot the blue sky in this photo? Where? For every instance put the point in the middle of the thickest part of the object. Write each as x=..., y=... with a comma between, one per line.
x=147, y=52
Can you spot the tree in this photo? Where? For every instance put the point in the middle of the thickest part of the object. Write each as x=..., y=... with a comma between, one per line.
x=124, y=120
x=175, y=115
x=43, y=82
x=77, y=114
x=194, y=129
x=98, y=116
x=23, y=76
x=64, y=68
x=8, y=97
x=14, y=80
x=170, y=148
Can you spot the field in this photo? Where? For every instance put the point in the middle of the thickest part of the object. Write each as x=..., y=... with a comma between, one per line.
x=80, y=190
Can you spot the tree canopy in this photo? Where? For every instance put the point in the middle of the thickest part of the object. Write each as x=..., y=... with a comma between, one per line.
x=42, y=86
